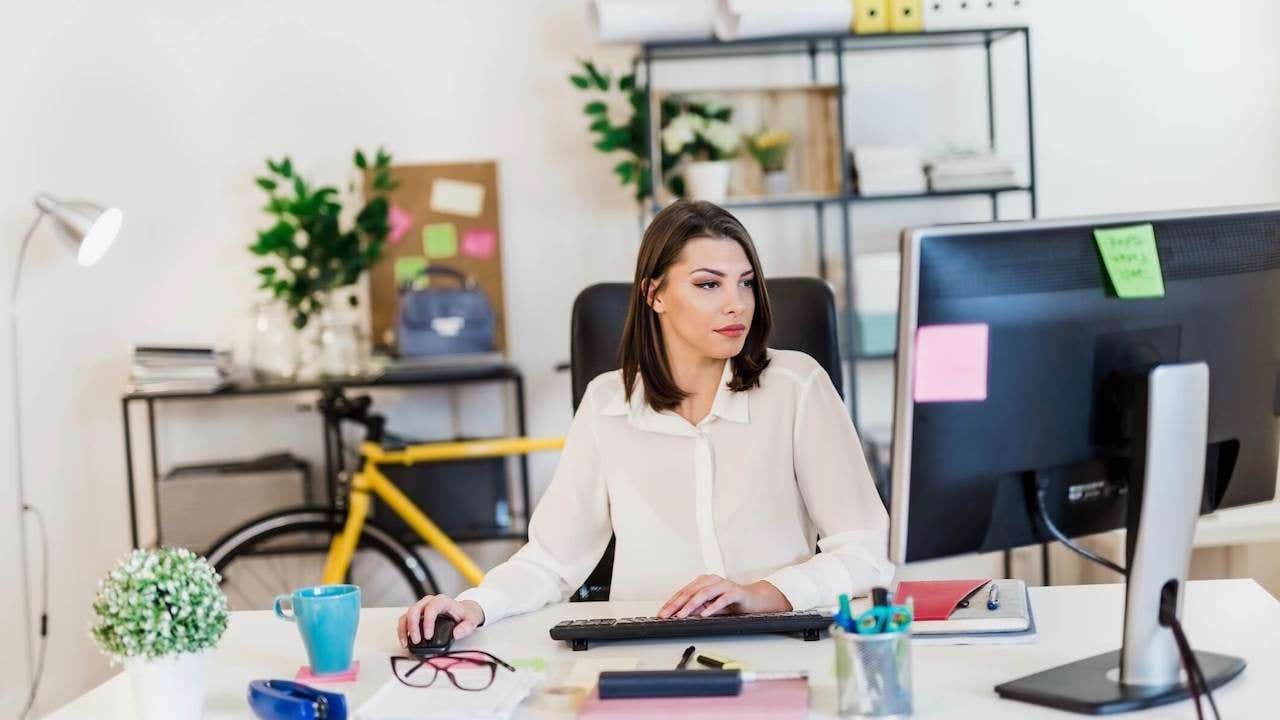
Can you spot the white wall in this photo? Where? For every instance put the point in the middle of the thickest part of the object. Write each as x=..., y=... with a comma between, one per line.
x=168, y=109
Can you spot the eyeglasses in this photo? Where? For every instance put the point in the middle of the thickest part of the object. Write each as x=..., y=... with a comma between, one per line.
x=466, y=669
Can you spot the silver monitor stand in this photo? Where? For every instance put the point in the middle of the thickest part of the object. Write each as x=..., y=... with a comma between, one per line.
x=1163, y=507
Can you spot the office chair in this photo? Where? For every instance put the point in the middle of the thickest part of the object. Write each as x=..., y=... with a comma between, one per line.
x=804, y=319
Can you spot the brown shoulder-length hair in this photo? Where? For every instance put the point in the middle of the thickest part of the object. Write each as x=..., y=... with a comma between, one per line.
x=642, y=350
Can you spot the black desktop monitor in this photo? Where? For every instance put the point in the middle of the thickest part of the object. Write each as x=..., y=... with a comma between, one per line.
x=1025, y=384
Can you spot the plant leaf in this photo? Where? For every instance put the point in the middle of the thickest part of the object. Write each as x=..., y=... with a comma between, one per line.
x=600, y=80
x=627, y=82
x=266, y=183
x=360, y=160
x=579, y=82
x=286, y=167
x=600, y=125
x=595, y=107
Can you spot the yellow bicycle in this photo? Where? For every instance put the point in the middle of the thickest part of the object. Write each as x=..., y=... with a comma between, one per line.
x=301, y=546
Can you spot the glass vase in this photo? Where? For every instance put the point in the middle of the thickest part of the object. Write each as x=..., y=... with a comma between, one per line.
x=273, y=347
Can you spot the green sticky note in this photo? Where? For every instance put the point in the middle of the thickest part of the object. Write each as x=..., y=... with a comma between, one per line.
x=1132, y=262
x=440, y=240
x=533, y=664
x=408, y=269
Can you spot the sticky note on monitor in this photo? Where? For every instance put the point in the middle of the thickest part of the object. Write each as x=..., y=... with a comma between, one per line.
x=479, y=243
x=408, y=270
x=457, y=197
x=951, y=363
x=1132, y=261
x=440, y=240
x=399, y=221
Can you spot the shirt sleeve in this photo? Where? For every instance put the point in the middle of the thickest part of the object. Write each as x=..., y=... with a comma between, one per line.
x=841, y=498
x=568, y=533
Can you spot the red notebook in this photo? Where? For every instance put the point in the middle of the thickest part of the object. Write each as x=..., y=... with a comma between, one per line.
x=935, y=599
x=763, y=700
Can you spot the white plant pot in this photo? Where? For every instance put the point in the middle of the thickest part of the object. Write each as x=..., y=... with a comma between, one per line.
x=777, y=183
x=169, y=688
x=707, y=180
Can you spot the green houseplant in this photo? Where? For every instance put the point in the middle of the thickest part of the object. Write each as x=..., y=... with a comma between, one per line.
x=629, y=135
x=310, y=254
x=160, y=613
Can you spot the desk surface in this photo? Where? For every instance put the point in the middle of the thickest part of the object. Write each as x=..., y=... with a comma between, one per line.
x=1229, y=616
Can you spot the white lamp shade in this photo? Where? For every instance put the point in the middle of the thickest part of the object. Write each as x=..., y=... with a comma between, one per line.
x=87, y=229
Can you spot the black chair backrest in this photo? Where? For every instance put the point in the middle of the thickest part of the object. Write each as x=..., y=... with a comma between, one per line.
x=804, y=319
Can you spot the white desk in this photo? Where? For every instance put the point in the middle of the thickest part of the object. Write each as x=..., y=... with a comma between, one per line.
x=1228, y=616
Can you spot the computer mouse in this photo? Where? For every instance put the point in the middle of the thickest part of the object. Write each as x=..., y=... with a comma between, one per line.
x=439, y=641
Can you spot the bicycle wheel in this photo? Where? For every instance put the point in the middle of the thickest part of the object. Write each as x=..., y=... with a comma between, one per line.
x=278, y=553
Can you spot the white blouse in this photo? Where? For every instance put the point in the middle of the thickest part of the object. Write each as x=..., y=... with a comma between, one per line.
x=745, y=494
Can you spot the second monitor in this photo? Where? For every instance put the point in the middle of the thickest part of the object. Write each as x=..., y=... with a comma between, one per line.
x=1036, y=401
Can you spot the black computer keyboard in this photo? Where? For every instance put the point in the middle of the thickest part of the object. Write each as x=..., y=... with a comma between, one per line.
x=579, y=632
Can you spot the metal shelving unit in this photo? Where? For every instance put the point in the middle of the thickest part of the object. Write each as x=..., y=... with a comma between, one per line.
x=838, y=46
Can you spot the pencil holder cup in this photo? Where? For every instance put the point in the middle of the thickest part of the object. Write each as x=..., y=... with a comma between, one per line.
x=873, y=674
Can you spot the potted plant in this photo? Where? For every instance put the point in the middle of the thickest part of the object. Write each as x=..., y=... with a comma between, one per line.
x=769, y=148
x=701, y=132
x=160, y=613
x=310, y=254
x=628, y=136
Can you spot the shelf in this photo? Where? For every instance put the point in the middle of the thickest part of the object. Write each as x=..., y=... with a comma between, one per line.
x=824, y=42
x=940, y=193
x=744, y=203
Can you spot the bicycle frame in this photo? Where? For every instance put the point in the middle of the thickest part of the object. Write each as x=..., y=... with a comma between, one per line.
x=370, y=479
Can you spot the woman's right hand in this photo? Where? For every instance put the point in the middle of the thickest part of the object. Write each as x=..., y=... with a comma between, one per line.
x=423, y=613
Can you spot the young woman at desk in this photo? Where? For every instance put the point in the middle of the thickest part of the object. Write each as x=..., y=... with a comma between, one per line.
x=717, y=463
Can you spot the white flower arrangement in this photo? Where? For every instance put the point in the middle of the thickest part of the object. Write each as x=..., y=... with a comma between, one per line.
x=156, y=603
x=694, y=133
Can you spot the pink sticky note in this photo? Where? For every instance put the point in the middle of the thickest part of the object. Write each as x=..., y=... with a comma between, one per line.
x=349, y=675
x=399, y=221
x=480, y=243
x=951, y=363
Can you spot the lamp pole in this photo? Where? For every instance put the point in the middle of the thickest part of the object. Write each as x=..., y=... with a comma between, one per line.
x=16, y=376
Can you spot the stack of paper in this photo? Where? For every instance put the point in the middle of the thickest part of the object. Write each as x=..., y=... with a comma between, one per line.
x=971, y=170
x=442, y=701
x=178, y=369
x=888, y=170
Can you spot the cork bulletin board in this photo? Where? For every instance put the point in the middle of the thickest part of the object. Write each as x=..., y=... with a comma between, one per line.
x=442, y=215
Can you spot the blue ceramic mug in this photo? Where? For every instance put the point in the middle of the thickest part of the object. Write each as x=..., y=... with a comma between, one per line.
x=327, y=617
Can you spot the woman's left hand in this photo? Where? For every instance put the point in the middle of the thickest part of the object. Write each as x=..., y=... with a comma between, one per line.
x=712, y=594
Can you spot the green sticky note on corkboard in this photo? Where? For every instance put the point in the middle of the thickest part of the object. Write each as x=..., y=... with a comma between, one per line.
x=408, y=269
x=1132, y=262
x=440, y=240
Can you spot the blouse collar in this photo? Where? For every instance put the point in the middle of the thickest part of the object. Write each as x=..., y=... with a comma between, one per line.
x=728, y=405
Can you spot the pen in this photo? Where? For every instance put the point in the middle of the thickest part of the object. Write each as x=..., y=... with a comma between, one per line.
x=684, y=659
x=993, y=597
x=845, y=617
x=718, y=663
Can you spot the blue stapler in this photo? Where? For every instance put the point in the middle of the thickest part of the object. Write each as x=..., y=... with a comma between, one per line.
x=288, y=700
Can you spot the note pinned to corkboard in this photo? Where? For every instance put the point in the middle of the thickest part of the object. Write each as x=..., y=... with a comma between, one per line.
x=452, y=212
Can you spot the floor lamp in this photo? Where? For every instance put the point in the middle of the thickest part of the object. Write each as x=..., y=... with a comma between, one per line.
x=88, y=231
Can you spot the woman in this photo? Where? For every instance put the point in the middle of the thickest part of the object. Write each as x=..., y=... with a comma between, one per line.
x=718, y=463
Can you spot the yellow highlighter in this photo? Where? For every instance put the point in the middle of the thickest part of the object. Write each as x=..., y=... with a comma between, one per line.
x=719, y=663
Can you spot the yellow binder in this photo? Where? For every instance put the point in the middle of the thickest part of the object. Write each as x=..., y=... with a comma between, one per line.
x=906, y=16
x=870, y=16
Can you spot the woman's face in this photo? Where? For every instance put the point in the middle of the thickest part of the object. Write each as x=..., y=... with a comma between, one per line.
x=708, y=299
